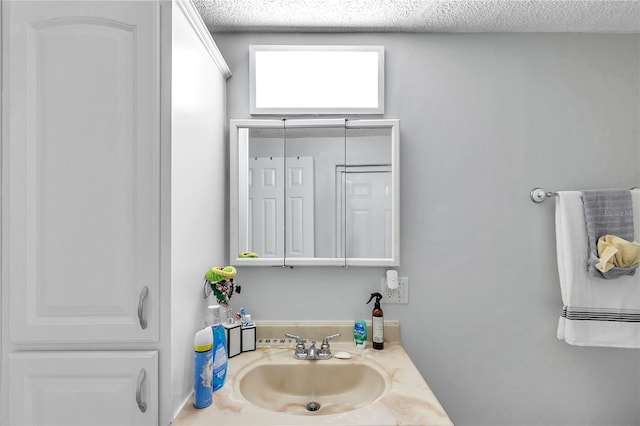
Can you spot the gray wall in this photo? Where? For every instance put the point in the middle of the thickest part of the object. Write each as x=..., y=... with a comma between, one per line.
x=484, y=119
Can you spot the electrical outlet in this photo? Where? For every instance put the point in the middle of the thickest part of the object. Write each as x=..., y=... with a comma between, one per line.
x=399, y=295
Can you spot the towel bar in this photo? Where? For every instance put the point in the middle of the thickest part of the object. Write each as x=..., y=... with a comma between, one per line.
x=538, y=195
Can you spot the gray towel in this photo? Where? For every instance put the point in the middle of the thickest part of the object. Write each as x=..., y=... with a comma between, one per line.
x=607, y=212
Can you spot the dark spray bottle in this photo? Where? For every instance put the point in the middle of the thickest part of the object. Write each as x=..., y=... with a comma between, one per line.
x=377, y=322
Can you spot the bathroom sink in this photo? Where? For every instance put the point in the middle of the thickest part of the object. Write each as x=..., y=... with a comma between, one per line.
x=312, y=387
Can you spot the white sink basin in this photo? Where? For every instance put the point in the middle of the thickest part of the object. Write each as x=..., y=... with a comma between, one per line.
x=311, y=388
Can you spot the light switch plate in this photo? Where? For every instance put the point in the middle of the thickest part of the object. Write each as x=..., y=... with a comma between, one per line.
x=399, y=295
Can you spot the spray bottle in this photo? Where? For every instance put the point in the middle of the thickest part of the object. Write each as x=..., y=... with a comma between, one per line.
x=219, y=349
x=377, y=322
x=203, y=368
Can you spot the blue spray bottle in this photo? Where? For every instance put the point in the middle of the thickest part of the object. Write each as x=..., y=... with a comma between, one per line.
x=203, y=368
x=214, y=318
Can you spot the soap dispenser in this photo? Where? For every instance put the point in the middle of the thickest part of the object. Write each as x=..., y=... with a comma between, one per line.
x=377, y=322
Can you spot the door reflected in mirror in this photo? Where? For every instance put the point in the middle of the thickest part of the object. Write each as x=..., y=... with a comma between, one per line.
x=315, y=192
x=367, y=181
x=262, y=199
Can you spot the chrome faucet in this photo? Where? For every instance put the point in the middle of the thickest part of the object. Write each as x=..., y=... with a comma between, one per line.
x=312, y=353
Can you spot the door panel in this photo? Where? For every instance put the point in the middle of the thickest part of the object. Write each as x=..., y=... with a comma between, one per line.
x=266, y=212
x=368, y=225
x=83, y=168
x=83, y=388
x=299, y=207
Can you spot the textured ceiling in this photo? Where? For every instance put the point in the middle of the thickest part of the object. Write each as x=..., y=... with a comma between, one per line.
x=607, y=16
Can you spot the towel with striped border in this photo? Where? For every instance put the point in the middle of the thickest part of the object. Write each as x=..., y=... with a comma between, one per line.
x=596, y=312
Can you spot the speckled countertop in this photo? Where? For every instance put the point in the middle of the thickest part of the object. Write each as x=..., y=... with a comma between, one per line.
x=407, y=400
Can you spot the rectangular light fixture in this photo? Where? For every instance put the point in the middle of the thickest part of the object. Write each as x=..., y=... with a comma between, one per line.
x=316, y=79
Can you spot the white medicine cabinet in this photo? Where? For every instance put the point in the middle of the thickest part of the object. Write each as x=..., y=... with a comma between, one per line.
x=314, y=192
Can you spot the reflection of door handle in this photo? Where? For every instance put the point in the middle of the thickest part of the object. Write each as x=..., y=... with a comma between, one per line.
x=141, y=376
x=143, y=295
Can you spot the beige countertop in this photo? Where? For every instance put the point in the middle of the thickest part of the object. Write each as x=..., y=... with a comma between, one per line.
x=407, y=400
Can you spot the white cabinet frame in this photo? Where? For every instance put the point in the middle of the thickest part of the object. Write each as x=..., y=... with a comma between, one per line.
x=238, y=230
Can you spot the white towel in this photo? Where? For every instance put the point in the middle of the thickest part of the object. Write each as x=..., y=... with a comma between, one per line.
x=596, y=312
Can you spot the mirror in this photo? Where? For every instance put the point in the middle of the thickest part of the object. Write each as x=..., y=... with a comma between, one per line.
x=314, y=192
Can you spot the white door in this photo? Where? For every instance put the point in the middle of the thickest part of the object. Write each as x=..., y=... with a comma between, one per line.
x=299, y=208
x=266, y=206
x=270, y=213
x=83, y=388
x=81, y=187
x=367, y=213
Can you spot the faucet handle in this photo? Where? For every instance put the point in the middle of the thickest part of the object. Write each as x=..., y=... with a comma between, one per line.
x=325, y=350
x=301, y=351
x=293, y=336
x=325, y=341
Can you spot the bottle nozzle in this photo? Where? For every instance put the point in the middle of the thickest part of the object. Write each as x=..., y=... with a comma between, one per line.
x=378, y=296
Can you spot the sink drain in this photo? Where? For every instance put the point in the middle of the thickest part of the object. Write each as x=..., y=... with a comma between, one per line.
x=312, y=406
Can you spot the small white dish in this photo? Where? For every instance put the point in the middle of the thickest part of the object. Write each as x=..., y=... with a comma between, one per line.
x=342, y=355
